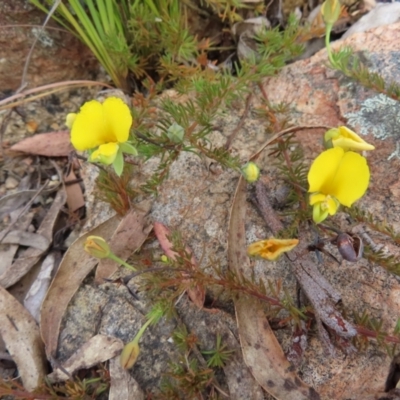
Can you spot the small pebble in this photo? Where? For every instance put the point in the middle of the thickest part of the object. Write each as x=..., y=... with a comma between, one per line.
x=11, y=183
x=53, y=184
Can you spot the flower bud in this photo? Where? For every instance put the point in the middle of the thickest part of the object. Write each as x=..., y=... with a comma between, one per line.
x=97, y=247
x=251, y=172
x=350, y=246
x=129, y=354
x=175, y=133
x=330, y=11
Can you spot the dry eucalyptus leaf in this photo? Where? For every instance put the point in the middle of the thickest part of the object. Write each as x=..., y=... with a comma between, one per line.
x=261, y=350
x=73, y=269
x=7, y=252
x=123, y=386
x=96, y=350
x=31, y=256
x=246, y=32
x=52, y=144
x=14, y=201
x=34, y=298
x=129, y=236
x=28, y=239
x=22, y=338
x=75, y=199
x=382, y=14
x=196, y=293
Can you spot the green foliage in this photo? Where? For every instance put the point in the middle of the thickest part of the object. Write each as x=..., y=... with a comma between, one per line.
x=115, y=190
x=91, y=387
x=369, y=327
x=219, y=356
x=279, y=47
x=187, y=380
x=351, y=65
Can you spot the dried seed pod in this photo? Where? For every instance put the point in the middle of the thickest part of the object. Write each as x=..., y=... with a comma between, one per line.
x=350, y=246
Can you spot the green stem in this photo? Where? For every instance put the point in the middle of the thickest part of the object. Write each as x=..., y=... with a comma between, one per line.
x=120, y=261
x=328, y=43
x=142, y=329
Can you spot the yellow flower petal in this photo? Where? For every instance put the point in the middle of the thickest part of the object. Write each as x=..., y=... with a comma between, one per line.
x=88, y=130
x=317, y=198
x=105, y=154
x=70, y=120
x=272, y=248
x=331, y=205
x=351, y=179
x=323, y=170
x=346, y=139
x=118, y=118
x=98, y=124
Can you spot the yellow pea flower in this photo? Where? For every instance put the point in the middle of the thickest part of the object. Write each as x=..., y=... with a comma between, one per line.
x=336, y=177
x=103, y=130
x=346, y=139
x=100, y=123
x=271, y=248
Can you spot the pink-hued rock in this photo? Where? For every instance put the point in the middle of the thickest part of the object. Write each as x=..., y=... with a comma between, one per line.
x=320, y=96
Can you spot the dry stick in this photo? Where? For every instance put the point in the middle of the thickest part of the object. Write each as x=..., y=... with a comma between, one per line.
x=318, y=290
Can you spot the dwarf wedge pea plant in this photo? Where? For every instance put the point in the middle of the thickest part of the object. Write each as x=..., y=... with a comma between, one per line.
x=166, y=127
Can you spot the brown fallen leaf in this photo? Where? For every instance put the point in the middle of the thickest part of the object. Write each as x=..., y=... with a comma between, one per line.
x=75, y=199
x=24, y=238
x=123, y=386
x=34, y=298
x=31, y=256
x=7, y=252
x=73, y=269
x=21, y=335
x=195, y=293
x=16, y=200
x=52, y=144
x=96, y=350
x=128, y=237
x=262, y=352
